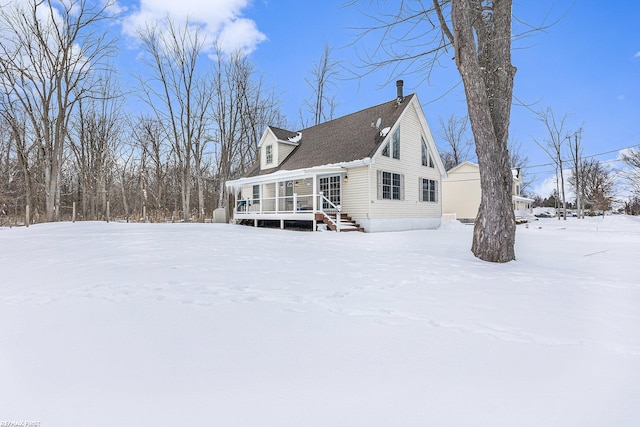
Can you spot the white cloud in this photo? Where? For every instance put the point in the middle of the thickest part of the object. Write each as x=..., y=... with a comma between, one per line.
x=620, y=98
x=637, y=55
x=626, y=151
x=240, y=34
x=221, y=21
x=548, y=186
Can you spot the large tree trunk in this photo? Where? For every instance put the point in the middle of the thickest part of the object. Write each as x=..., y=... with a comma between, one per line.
x=482, y=41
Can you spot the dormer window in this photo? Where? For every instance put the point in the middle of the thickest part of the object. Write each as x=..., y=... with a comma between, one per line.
x=268, y=154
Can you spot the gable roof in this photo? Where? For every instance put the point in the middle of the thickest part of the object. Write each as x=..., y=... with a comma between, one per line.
x=348, y=138
x=462, y=165
x=282, y=134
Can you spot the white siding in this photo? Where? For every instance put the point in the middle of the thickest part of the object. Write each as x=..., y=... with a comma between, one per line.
x=410, y=166
x=280, y=150
x=355, y=193
x=246, y=192
x=360, y=191
x=268, y=139
x=461, y=192
x=283, y=151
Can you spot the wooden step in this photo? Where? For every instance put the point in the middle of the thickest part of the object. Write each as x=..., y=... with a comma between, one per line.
x=346, y=222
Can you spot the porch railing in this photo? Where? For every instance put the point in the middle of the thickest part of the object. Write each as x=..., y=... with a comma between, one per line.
x=330, y=207
x=272, y=205
x=292, y=205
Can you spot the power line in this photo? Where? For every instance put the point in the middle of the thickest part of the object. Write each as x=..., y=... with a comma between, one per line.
x=570, y=161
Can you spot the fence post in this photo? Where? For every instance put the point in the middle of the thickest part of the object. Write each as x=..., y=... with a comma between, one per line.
x=108, y=213
x=27, y=216
x=73, y=213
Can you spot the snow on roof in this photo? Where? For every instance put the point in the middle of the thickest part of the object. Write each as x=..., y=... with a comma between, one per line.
x=296, y=138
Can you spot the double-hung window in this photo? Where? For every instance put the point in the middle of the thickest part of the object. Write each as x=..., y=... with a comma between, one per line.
x=390, y=186
x=269, y=154
x=428, y=190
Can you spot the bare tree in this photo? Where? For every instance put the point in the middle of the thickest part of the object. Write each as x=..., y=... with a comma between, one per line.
x=414, y=38
x=125, y=176
x=323, y=103
x=18, y=140
x=153, y=165
x=599, y=185
x=553, y=144
x=454, y=131
x=9, y=170
x=577, y=180
x=520, y=161
x=49, y=54
x=632, y=158
x=177, y=94
x=94, y=140
x=243, y=108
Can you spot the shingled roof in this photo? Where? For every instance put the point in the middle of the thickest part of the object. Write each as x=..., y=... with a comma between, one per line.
x=348, y=138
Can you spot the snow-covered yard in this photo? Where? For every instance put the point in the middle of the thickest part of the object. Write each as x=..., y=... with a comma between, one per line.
x=166, y=325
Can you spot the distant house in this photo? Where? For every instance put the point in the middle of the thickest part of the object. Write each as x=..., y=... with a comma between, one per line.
x=461, y=193
x=374, y=170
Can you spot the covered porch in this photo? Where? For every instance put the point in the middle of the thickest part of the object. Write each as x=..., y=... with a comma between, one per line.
x=308, y=195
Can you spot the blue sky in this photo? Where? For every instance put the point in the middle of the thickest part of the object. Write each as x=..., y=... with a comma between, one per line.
x=587, y=64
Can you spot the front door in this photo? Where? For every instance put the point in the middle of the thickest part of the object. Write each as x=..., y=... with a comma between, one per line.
x=330, y=187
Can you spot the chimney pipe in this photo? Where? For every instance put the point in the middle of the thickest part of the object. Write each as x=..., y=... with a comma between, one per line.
x=400, y=96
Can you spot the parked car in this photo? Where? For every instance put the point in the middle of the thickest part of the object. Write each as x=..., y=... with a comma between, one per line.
x=544, y=215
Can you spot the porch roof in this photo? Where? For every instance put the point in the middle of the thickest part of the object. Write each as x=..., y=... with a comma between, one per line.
x=522, y=199
x=286, y=175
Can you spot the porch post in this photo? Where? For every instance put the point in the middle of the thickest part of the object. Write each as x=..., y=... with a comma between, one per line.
x=236, y=195
x=277, y=194
x=261, y=194
x=315, y=194
x=295, y=203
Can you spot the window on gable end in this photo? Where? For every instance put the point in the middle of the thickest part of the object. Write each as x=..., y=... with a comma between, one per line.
x=392, y=148
x=396, y=144
x=427, y=159
x=385, y=150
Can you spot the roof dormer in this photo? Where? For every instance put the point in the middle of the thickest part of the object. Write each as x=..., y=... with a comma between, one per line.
x=275, y=145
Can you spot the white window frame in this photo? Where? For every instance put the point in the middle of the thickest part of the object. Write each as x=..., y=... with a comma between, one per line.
x=425, y=151
x=432, y=189
x=392, y=148
x=268, y=150
x=255, y=200
x=396, y=144
x=391, y=185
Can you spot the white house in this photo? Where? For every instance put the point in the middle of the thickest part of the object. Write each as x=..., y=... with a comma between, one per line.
x=461, y=193
x=377, y=170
